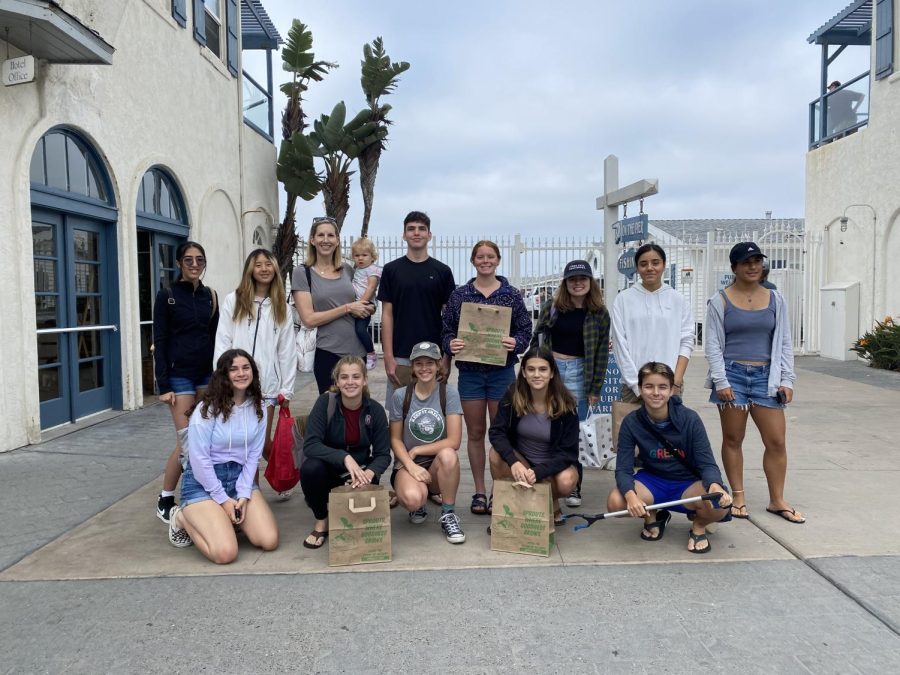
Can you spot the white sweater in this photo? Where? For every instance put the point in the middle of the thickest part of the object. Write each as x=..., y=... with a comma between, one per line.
x=275, y=352
x=650, y=326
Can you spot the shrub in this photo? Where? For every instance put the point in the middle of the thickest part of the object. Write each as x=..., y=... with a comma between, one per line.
x=881, y=345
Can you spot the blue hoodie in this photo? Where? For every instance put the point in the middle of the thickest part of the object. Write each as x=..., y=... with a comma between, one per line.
x=685, y=432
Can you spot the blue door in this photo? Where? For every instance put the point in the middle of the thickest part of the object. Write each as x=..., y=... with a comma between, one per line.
x=73, y=298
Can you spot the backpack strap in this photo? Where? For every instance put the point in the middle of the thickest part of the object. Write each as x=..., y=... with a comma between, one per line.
x=308, y=278
x=443, y=394
x=169, y=293
x=332, y=401
x=407, y=399
x=667, y=444
x=215, y=301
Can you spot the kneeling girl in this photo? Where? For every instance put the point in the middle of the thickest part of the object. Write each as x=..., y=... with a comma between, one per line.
x=426, y=431
x=677, y=459
x=225, y=440
x=535, y=433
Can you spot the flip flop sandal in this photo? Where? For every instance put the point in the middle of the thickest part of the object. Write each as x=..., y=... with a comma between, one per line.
x=393, y=499
x=479, y=504
x=698, y=539
x=559, y=518
x=736, y=511
x=662, y=519
x=436, y=498
x=784, y=513
x=316, y=534
x=490, y=506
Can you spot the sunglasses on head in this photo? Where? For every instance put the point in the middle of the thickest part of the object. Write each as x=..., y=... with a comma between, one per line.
x=324, y=219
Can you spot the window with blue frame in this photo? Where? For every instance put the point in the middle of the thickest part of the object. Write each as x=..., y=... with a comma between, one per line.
x=62, y=162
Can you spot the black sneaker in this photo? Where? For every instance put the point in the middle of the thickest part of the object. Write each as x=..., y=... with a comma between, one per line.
x=418, y=516
x=574, y=499
x=164, y=508
x=450, y=524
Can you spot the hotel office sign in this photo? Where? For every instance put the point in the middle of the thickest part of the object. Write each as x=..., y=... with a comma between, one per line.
x=17, y=71
x=635, y=228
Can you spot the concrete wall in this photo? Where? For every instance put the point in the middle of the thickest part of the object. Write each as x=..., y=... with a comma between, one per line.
x=165, y=101
x=862, y=168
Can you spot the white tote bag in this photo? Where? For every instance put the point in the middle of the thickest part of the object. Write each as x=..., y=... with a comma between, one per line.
x=306, y=348
x=595, y=442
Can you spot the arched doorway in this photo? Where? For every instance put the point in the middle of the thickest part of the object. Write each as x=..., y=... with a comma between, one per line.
x=74, y=246
x=162, y=225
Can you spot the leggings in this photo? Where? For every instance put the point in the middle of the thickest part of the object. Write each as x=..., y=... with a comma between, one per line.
x=317, y=479
x=323, y=364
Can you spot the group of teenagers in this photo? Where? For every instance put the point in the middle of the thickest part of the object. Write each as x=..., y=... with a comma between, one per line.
x=223, y=369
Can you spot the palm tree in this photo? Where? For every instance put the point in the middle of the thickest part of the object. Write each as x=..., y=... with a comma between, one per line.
x=293, y=169
x=379, y=78
x=338, y=144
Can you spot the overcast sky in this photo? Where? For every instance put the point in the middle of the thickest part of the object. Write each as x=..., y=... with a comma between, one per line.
x=502, y=123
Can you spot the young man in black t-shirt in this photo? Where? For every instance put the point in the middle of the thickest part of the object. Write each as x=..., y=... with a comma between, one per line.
x=413, y=291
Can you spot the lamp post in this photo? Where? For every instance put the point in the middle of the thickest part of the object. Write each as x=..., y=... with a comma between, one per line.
x=844, y=220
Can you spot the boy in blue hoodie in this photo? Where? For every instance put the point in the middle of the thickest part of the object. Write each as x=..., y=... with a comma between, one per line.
x=677, y=461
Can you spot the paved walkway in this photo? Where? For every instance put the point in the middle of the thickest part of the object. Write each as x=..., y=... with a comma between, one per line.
x=82, y=561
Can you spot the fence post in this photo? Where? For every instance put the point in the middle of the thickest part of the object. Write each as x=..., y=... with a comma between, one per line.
x=515, y=267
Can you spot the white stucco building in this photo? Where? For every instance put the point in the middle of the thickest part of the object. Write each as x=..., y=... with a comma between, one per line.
x=852, y=169
x=138, y=131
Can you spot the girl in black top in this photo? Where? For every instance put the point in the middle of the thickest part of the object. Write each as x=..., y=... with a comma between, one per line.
x=185, y=317
x=348, y=444
x=535, y=433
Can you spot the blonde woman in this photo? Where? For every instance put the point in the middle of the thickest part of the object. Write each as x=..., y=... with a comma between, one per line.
x=325, y=298
x=255, y=318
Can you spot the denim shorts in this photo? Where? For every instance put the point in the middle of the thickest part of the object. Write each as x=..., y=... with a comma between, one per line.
x=572, y=373
x=185, y=385
x=750, y=385
x=227, y=473
x=664, y=489
x=481, y=385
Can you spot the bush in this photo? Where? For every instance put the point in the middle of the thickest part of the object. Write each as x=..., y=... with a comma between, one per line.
x=881, y=345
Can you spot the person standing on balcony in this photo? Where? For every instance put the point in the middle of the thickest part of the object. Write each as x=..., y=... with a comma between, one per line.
x=481, y=386
x=413, y=291
x=574, y=324
x=751, y=374
x=842, y=107
x=651, y=322
x=326, y=300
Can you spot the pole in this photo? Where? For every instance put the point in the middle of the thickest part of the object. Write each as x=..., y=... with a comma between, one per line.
x=610, y=216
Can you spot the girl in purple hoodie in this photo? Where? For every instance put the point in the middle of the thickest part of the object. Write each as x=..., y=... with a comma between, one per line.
x=225, y=439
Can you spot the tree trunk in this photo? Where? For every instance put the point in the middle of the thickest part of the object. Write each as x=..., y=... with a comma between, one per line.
x=336, y=191
x=368, y=170
x=286, y=239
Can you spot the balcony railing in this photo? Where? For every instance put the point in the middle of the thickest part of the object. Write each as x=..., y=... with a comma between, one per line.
x=257, y=107
x=840, y=112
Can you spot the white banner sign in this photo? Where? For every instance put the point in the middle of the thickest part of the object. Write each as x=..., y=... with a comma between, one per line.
x=18, y=70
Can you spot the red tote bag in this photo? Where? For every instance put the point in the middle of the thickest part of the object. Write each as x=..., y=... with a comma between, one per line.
x=281, y=472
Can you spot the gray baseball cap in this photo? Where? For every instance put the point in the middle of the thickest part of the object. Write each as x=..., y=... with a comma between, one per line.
x=429, y=349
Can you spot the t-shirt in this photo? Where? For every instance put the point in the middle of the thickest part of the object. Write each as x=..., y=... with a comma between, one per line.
x=361, y=278
x=534, y=438
x=567, y=332
x=338, y=336
x=425, y=423
x=417, y=292
x=351, y=424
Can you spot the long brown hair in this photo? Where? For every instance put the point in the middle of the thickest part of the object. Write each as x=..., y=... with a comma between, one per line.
x=218, y=398
x=593, y=301
x=245, y=294
x=312, y=254
x=559, y=400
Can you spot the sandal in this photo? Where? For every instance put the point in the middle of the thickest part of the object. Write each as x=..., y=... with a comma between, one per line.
x=479, y=504
x=662, y=519
x=699, y=539
x=559, y=518
x=393, y=499
x=736, y=511
x=316, y=534
x=786, y=514
x=436, y=498
x=490, y=506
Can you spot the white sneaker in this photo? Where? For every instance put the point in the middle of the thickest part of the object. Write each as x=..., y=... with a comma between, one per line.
x=450, y=524
x=178, y=537
x=574, y=498
x=284, y=495
x=371, y=361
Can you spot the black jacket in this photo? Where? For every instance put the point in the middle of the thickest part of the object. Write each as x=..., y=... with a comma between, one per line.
x=504, y=437
x=325, y=439
x=184, y=333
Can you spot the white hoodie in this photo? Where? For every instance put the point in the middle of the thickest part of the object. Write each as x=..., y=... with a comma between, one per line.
x=650, y=326
x=275, y=351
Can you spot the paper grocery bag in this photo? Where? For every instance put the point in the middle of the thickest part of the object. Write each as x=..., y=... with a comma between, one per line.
x=522, y=518
x=620, y=411
x=359, y=522
x=481, y=327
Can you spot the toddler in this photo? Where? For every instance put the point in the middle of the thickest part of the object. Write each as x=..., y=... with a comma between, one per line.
x=365, y=283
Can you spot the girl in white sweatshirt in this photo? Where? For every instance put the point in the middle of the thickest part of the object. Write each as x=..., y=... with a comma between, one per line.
x=255, y=318
x=651, y=322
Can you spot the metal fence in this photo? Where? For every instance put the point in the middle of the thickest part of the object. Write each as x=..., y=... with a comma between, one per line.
x=697, y=267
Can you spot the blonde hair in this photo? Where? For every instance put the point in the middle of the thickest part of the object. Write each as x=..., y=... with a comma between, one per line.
x=349, y=361
x=245, y=293
x=364, y=245
x=593, y=301
x=312, y=254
